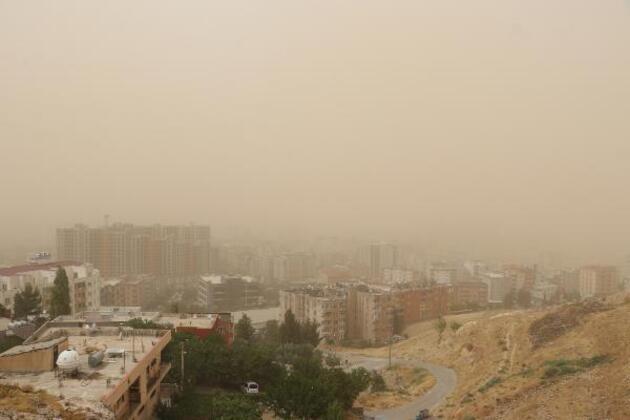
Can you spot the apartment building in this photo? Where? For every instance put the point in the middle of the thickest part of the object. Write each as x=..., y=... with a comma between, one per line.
x=468, y=293
x=125, y=381
x=382, y=256
x=419, y=304
x=499, y=285
x=84, y=282
x=128, y=291
x=128, y=249
x=522, y=277
x=218, y=293
x=598, y=280
x=294, y=267
x=325, y=306
x=441, y=273
x=370, y=314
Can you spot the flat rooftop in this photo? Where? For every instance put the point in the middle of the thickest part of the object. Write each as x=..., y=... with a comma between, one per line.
x=91, y=383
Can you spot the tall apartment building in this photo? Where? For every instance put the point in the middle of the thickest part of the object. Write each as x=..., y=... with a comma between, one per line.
x=327, y=307
x=468, y=293
x=522, y=277
x=370, y=314
x=127, y=249
x=382, y=256
x=442, y=274
x=228, y=293
x=419, y=304
x=598, y=280
x=84, y=282
x=295, y=267
x=499, y=285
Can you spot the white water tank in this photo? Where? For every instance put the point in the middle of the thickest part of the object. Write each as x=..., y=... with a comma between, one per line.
x=68, y=360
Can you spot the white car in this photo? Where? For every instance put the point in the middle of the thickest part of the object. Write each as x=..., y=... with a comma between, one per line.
x=250, y=388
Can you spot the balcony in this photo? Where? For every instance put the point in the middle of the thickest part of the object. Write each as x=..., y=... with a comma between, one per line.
x=158, y=376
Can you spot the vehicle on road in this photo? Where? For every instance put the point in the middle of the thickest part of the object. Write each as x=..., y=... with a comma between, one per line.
x=424, y=414
x=250, y=388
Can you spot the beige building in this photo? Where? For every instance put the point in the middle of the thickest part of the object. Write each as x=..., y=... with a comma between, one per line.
x=370, y=314
x=598, y=280
x=84, y=282
x=128, y=249
x=325, y=306
x=124, y=385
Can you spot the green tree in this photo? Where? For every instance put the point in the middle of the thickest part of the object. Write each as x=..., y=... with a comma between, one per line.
x=440, y=326
x=60, y=301
x=290, y=329
x=4, y=312
x=508, y=300
x=27, y=302
x=244, y=329
x=271, y=331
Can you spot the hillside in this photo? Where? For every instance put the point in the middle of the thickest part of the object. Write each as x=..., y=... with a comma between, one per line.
x=564, y=362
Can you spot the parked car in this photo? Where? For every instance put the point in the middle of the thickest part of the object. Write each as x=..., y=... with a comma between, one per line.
x=397, y=338
x=250, y=387
x=424, y=414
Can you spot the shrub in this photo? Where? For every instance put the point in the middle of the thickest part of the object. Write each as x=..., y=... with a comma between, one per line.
x=492, y=382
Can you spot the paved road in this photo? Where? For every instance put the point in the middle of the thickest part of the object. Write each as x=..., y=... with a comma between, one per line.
x=445, y=384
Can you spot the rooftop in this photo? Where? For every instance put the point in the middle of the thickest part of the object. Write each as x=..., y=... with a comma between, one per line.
x=17, y=269
x=91, y=384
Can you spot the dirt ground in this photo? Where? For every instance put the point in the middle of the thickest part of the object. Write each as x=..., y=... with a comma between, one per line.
x=556, y=363
x=404, y=383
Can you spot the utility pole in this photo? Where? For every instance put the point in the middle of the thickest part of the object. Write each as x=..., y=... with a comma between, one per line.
x=182, y=353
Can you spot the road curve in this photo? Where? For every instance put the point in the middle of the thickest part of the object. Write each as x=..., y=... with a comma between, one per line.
x=446, y=380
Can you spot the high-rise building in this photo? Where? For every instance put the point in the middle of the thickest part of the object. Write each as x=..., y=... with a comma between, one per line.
x=127, y=249
x=382, y=256
x=228, y=293
x=598, y=280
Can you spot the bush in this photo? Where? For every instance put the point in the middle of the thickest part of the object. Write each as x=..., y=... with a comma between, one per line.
x=492, y=382
x=561, y=367
x=378, y=383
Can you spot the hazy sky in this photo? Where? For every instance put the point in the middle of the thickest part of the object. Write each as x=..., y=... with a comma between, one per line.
x=497, y=124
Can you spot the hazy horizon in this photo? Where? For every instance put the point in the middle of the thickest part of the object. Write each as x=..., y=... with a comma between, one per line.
x=497, y=126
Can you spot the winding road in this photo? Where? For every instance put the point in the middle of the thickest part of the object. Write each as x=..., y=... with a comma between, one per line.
x=446, y=379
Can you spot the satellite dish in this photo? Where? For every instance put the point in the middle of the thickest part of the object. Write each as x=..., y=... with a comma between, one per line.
x=68, y=360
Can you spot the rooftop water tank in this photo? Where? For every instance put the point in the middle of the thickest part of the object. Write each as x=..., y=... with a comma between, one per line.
x=68, y=360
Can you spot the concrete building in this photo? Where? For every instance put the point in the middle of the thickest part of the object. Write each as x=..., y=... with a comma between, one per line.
x=399, y=275
x=598, y=280
x=128, y=291
x=84, y=282
x=499, y=285
x=420, y=304
x=325, y=306
x=522, y=277
x=125, y=385
x=294, y=267
x=442, y=274
x=543, y=293
x=469, y=293
x=370, y=314
x=127, y=249
x=382, y=255
x=219, y=293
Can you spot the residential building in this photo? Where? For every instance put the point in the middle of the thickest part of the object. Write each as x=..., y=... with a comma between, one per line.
x=84, y=282
x=499, y=285
x=294, y=267
x=125, y=384
x=469, y=293
x=543, y=293
x=127, y=249
x=442, y=274
x=370, y=314
x=598, y=280
x=201, y=325
x=218, y=293
x=128, y=291
x=399, y=275
x=419, y=304
x=522, y=277
x=325, y=306
x=382, y=255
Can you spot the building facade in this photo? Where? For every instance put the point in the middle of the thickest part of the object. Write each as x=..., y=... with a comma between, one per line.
x=128, y=249
x=218, y=293
x=326, y=307
x=598, y=280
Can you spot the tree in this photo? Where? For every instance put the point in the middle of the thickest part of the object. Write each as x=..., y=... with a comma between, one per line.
x=4, y=312
x=27, y=302
x=60, y=301
x=244, y=329
x=271, y=332
x=440, y=326
x=290, y=329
